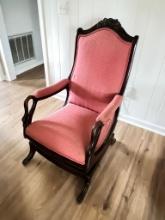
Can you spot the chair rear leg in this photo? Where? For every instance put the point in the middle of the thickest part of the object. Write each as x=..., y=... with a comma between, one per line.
x=113, y=139
x=84, y=190
x=30, y=155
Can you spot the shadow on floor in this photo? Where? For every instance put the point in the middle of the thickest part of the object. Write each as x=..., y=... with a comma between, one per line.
x=157, y=189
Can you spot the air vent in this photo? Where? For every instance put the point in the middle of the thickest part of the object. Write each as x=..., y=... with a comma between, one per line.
x=21, y=47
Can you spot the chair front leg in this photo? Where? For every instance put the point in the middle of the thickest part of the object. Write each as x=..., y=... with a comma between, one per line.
x=84, y=189
x=113, y=139
x=30, y=154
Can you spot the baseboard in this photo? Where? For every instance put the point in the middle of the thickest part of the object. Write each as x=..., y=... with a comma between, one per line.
x=21, y=68
x=60, y=96
x=2, y=77
x=143, y=124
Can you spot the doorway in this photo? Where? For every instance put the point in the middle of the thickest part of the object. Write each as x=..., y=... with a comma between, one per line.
x=22, y=32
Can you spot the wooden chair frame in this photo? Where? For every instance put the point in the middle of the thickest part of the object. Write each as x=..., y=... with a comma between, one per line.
x=92, y=157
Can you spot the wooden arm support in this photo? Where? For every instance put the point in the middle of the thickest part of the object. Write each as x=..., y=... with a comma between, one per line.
x=106, y=115
x=94, y=138
x=27, y=118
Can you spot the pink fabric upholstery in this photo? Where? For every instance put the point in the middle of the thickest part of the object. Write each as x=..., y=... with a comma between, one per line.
x=99, y=70
x=66, y=132
x=107, y=116
x=51, y=89
x=108, y=113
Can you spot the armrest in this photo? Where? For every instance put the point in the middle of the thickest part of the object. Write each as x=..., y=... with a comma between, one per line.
x=51, y=90
x=108, y=113
x=39, y=95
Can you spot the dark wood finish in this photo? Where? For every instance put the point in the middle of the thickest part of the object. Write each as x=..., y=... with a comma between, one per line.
x=92, y=156
x=113, y=24
x=30, y=154
x=84, y=190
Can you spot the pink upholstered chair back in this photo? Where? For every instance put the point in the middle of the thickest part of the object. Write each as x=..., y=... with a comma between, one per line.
x=99, y=70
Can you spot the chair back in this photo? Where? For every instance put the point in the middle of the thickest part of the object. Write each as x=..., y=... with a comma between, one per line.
x=102, y=60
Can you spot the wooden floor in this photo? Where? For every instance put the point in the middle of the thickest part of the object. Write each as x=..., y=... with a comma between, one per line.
x=128, y=184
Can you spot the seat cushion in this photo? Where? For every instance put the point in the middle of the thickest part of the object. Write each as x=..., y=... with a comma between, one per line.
x=66, y=132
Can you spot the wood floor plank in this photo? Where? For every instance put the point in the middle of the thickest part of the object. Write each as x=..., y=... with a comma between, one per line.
x=128, y=184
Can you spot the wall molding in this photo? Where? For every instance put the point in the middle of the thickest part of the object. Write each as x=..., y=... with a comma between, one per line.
x=44, y=40
x=60, y=96
x=142, y=124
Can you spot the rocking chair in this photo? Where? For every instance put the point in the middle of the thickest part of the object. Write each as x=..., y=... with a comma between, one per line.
x=76, y=136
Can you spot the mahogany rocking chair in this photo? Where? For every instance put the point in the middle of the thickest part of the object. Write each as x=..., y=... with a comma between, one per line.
x=76, y=136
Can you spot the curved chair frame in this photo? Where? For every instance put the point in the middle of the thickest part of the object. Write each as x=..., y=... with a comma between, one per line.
x=92, y=157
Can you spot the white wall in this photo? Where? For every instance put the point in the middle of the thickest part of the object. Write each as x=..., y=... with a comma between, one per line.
x=144, y=102
x=21, y=16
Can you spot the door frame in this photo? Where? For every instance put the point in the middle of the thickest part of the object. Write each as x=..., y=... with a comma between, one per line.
x=5, y=52
x=42, y=24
